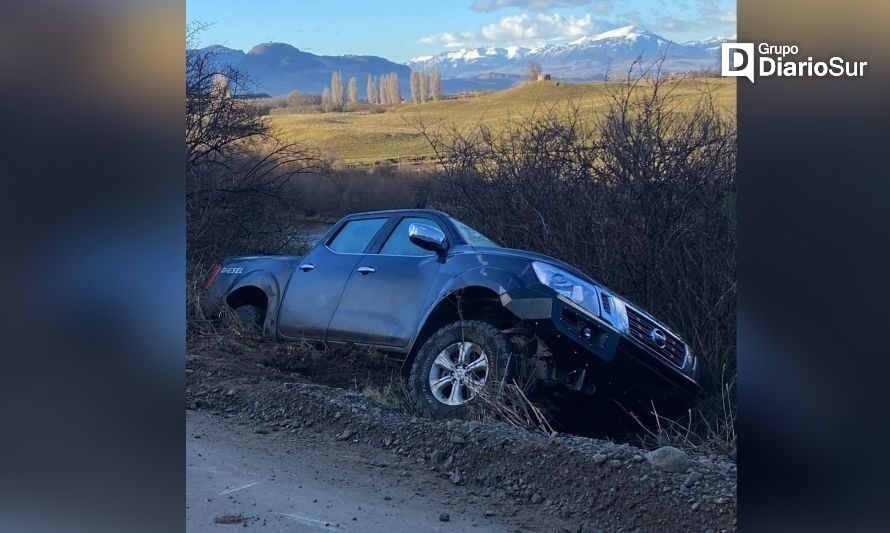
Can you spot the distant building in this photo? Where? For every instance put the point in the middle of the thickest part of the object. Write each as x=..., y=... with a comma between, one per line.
x=543, y=77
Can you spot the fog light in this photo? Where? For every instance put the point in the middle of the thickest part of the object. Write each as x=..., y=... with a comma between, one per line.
x=586, y=334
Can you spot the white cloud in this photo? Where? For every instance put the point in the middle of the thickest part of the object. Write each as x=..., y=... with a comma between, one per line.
x=520, y=29
x=537, y=5
x=538, y=27
x=697, y=17
x=729, y=16
x=450, y=40
x=674, y=19
x=602, y=7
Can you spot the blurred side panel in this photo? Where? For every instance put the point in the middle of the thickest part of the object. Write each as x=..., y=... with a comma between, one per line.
x=93, y=208
x=813, y=262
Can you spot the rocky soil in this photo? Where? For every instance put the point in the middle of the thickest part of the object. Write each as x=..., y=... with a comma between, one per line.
x=589, y=484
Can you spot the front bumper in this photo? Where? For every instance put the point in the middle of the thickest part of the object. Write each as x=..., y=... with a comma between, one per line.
x=589, y=355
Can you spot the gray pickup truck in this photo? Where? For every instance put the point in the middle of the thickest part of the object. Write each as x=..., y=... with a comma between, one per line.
x=464, y=311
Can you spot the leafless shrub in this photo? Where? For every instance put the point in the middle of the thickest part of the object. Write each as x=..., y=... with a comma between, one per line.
x=239, y=174
x=353, y=190
x=534, y=71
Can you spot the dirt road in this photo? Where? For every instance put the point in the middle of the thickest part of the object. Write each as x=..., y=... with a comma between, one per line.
x=297, y=482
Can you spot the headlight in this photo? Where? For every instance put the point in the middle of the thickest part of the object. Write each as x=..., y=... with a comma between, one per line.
x=689, y=364
x=575, y=289
x=618, y=316
x=594, y=299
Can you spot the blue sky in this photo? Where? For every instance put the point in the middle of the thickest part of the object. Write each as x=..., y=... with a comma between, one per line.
x=402, y=29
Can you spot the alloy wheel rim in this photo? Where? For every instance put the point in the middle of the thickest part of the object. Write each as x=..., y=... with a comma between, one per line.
x=458, y=373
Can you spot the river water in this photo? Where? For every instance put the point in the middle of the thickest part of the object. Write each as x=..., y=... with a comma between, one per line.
x=312, y=232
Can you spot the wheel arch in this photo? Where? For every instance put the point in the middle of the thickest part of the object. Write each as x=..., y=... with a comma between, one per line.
x=260, y=289
x=472, y=302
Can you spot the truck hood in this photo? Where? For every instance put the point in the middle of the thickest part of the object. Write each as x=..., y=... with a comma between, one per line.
x=532, y=256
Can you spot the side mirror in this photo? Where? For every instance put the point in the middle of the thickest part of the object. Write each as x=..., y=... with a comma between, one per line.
x=427, y=237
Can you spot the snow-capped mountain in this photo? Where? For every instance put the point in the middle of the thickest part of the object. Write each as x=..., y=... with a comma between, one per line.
x=279, y=68
x=468, y=62
x=589, y=58
x=712, y=43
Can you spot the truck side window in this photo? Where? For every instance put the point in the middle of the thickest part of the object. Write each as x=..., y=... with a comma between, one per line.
x=355, y=235
x=398, y=242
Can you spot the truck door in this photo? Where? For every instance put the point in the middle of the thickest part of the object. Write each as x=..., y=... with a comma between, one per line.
x=387, y=290
x=315, y=287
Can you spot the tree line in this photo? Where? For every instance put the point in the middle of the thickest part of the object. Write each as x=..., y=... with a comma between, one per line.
x=383, y=89
x=340, y=95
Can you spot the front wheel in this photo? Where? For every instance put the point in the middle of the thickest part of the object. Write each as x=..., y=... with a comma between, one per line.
x=457, y=364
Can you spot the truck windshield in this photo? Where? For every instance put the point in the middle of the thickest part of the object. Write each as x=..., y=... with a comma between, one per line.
x=473, y=237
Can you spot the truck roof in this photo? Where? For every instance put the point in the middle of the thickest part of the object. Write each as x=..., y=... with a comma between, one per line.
x=399, y=211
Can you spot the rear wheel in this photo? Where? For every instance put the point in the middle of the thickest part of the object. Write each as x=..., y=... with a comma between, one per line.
x=251, y=315
x=457, y=364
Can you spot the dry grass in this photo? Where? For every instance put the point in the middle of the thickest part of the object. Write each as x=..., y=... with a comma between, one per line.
x=508, y=403
x=206, y=333
x=697, y=430
x=392, y=395
x=365, y=138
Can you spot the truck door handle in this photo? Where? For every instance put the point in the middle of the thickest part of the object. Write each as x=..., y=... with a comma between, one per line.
x=365, y=270
x=306, y=267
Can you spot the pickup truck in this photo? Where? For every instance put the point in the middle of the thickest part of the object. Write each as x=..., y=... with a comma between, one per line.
x=465, y=313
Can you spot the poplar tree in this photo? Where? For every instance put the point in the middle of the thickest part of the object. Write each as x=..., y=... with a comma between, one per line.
x=338, y=97
x=353, y=91
x=415, y=96
x=326, y=103
x=395, y=88
x=372, y=90
x=436, y=83
x=423, y=90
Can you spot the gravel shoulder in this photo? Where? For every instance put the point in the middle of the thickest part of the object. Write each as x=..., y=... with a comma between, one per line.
x=287, y=482
x=277, y=428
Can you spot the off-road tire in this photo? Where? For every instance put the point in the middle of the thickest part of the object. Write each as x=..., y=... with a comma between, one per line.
x=502, y=350
x=251, y=315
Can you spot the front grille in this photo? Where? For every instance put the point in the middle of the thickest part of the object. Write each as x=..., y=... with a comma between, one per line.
x=641, y=328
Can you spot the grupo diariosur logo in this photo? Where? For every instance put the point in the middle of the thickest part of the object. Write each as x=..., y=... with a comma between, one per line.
x=740, y=60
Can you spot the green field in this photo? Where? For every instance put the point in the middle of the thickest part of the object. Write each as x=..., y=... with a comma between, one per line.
x=364, y=137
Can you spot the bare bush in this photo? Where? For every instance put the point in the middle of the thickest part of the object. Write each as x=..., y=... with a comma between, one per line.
x=640, y=196
x=239, y=175
x=353, y=190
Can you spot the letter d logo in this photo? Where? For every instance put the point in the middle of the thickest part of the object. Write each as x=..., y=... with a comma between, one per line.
x=737, y=59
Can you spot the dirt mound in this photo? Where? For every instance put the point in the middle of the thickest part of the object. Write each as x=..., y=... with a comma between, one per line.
x=587, y=480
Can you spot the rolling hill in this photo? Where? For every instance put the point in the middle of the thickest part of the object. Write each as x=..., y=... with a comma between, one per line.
x=364, y=138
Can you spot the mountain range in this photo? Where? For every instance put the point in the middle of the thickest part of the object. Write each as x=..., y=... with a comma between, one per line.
x=280, y=68
x=589, y=58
